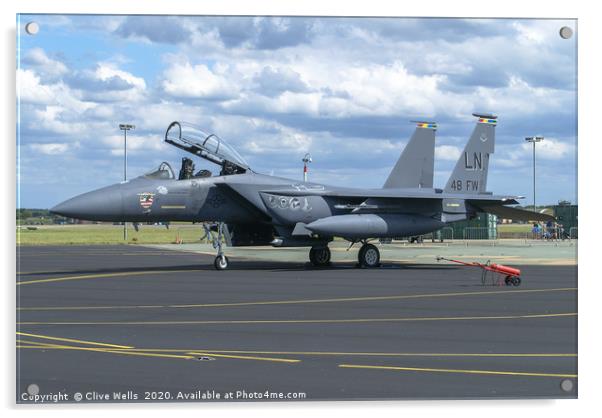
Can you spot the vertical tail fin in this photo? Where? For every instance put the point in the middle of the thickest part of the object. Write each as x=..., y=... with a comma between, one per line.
x=470, y=173
x=416, y=164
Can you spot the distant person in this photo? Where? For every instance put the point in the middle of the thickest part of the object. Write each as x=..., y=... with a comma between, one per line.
x=535, y=230
x=550, y=230
x=561, y=232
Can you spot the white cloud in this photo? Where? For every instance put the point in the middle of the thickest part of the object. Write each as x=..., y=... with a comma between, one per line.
x=51, y=149
x=199, y=81
x=550, y=149
x=37, y=58
x=108, y=83
x=519, y=97
x=145, y=143
x=528, y=34
x=447, y=153
x=343, y=91
x=30, y=90
x=106, y=71
x=51, y=119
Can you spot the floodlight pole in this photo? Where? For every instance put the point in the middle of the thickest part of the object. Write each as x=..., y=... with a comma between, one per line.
x=125, y=128
x=534, y=140
x=306, y=159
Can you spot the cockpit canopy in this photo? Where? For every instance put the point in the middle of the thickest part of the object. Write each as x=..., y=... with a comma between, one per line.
x=191, y=138
x=163, y=172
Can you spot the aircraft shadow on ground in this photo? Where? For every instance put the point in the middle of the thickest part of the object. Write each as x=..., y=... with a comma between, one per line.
x=241, y=265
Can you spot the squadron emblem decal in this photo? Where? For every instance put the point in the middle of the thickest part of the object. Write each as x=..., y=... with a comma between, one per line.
x=146, y=200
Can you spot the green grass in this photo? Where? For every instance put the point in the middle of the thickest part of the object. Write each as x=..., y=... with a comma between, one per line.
x=148, y=234
x=107, y=234
x=514, y=227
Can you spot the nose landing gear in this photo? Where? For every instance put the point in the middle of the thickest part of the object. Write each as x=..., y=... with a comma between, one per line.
x=221, y=262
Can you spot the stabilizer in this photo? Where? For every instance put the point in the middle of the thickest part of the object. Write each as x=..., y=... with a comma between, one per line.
x=416, y=165
x=470, y=174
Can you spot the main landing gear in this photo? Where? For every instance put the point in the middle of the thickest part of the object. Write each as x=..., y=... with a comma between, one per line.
x=319, y=256
x=221, y=262
x=368, y=256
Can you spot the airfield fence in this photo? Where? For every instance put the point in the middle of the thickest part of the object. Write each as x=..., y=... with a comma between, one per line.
x=543, y=235
x=477, y=233
x=552, y=234
x=441, y=235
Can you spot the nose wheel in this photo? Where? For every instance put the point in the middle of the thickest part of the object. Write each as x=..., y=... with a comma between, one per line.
x=320, y=257
x=368, y=256
x=221, y=262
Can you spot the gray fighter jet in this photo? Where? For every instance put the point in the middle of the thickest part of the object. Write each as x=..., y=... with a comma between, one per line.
x=252, y=209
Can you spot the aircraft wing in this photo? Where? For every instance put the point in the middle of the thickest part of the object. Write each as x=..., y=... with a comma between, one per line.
x=429, y=194
x=392, y=199
x=510, y=212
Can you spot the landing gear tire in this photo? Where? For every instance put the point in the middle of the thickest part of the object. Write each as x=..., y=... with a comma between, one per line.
x=320, y=257
x=221, y=262
x=369, y=256
x=516, y=281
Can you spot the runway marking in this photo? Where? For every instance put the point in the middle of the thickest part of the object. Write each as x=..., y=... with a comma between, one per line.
x=71, y=340
x=102, y=275
x=25, y=273
x=376, y=354
x=211, y=354
x=299, y=301
x=337, y=353
x=35, y=343
x=486, y=372
x=106, y=350
x=309, y=321
x=146, y=352
x=150, y=253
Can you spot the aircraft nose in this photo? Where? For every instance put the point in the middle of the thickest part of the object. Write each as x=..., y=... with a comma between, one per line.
x=99, y=205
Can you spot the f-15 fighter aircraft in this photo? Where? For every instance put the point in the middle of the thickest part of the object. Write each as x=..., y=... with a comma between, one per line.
x=252, y=209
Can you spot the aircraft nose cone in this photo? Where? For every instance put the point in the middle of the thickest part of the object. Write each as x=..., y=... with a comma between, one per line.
x=99, y=205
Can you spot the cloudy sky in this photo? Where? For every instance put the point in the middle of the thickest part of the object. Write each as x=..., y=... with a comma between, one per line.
x=275, y=88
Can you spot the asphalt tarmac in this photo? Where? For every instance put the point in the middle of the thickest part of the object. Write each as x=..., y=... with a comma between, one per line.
x=129, y=323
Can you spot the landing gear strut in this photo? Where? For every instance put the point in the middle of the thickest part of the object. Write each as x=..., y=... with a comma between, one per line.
x=221, y=262
x=319, y=256
x=368, y=256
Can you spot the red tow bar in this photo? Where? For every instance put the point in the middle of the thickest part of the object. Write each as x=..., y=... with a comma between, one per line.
x=512, y=275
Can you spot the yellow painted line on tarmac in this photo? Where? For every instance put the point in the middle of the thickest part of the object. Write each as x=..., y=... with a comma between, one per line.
x=361, y=354
x=301, y=301
x=102, y=275
x=282, y=360
x=106, y=350
x=309, y=321
x=484, y=372
x=39, y=344
x=76, y=253
x=71, y=340
x=25, y=273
